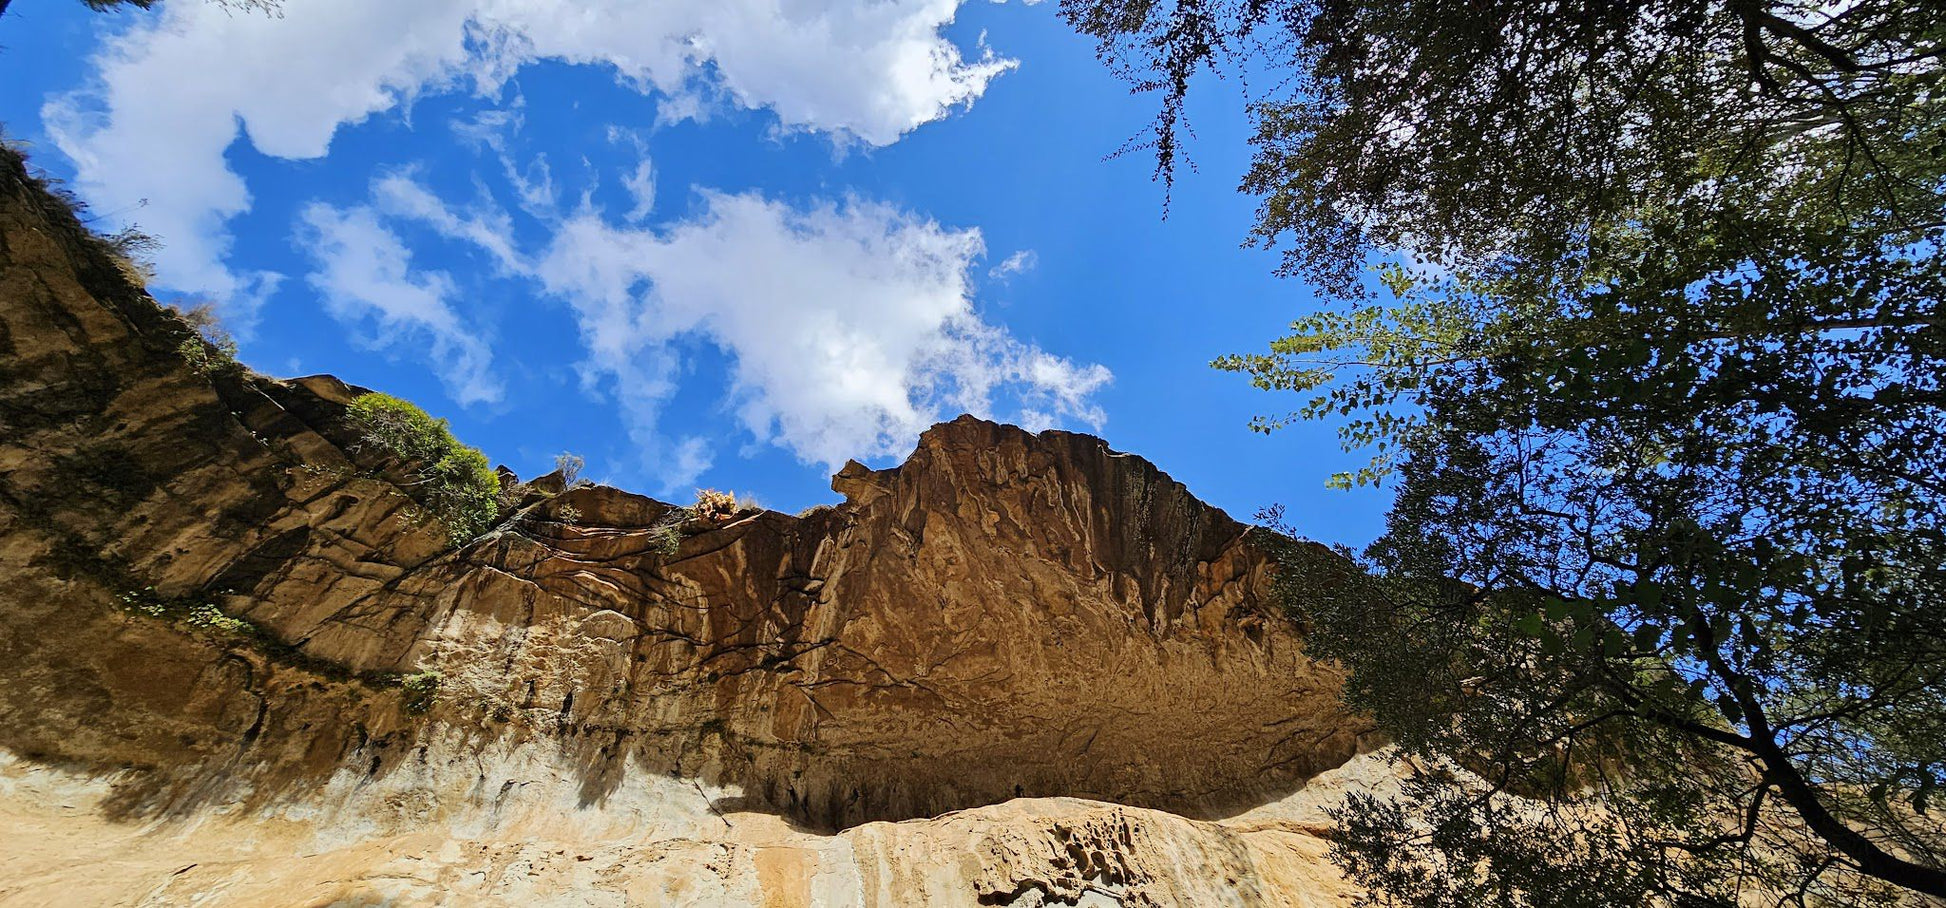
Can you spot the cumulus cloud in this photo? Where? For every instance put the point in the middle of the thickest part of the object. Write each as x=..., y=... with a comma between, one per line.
x=850, y=327
x=170, y=95
x=365, y=277
x=167, y=100
x=873, y=70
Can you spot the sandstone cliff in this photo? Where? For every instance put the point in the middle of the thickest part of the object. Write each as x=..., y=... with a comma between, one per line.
x=1016, y=669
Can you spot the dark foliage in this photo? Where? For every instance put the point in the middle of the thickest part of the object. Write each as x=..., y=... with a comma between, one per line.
x=1655, y=362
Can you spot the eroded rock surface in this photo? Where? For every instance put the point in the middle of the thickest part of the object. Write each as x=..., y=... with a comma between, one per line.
x=1005, y=617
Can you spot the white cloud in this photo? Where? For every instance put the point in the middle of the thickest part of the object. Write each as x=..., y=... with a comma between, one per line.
x=640, y=182
x=1019, y=263
x=850, y=328
x=641, y=187
x=690, y=459
x=364, y=274
x=168, y=99
x=488, y=228
x=873, y=70
x=169, y=96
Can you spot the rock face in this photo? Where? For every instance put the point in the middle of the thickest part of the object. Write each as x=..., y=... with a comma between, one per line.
x=1052, y=638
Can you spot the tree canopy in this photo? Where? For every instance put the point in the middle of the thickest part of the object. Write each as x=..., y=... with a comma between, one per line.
x=1653, y=360
x=263, y=6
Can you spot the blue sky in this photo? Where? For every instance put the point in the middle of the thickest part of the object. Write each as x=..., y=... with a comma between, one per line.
x=723, y=243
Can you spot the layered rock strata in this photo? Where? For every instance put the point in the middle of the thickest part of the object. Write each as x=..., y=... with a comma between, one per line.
x=1005, y=617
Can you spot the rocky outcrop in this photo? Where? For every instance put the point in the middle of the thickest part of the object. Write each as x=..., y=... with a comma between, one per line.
x=733, y=709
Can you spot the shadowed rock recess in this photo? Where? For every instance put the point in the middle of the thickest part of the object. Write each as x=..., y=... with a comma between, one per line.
x=1050, y=648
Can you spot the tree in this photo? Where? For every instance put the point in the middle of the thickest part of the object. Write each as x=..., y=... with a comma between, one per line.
x=1654, y=359
x=269, y=7
x=97, y=5
x=569, y=465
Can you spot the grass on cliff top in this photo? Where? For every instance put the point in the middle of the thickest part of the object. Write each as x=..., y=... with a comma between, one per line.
x=117, y=267
x=211, y=350
x=459, y=487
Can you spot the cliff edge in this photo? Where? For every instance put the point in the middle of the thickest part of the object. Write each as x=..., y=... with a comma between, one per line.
x=234, y=668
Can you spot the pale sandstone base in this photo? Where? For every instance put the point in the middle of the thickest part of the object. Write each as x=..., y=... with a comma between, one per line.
x=1028, y=852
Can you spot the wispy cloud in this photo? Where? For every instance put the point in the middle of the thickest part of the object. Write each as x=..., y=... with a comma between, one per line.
x=639, y=180
x=1019, y=263
x=365, y=277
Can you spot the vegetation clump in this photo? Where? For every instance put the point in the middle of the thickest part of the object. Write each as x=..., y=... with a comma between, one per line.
x=666, y=534
x=195, y=611
x=132, y=250
x=458, y=486
x=712, y=505
x=420, y=690
x=211, y=350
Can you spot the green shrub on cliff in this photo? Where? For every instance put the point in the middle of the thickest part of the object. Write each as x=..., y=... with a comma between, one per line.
x=211, y=350
x=420, y=691
x=460, y=489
